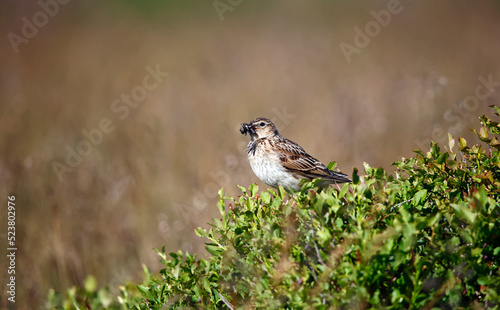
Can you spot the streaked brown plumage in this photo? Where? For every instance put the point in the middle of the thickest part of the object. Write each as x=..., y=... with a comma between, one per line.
x=277, y=160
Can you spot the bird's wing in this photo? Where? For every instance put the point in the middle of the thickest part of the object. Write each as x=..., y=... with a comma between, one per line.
x=295, y=159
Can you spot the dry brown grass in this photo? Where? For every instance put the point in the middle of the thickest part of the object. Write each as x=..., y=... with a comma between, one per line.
x=151, y=181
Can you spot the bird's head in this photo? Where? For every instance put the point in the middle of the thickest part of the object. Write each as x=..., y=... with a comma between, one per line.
x=259, y=128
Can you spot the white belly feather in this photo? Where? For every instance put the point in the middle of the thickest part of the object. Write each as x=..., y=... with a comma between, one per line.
x=268, y=168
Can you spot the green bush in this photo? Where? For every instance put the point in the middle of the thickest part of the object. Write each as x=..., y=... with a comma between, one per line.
x=427, y=237
x=89, y=297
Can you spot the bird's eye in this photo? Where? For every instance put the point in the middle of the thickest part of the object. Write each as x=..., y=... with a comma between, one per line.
x=262, y=124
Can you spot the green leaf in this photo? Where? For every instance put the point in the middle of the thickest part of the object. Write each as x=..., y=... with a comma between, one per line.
x=276, y=202
x=484, y=280
x=483, y=133
x=367, y=167
x=143, y=289
x=496, y=108
x=435, y=150
x=464, y=212
x=201, y=232
x=419, y=152
x=451, y=142
x=90, y=284
x=266, y=198
x=355, y=176
x=335, y=207
x=243, y=189
x=281, y=192
x=324, y=237
x=176, y=271
x=481, y=196
x=206, y=285
x=214, y=250
x=253, y=188
x=197, y=291
x=332, y=165
x=462, y=143
x=222, y=209
x=221, y=193
x=343, y=191
x=442, y=158
x=419, y=197
x=339, y=222
x=433, y=220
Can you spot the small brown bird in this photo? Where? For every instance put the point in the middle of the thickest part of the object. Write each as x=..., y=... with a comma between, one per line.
x=278, y=161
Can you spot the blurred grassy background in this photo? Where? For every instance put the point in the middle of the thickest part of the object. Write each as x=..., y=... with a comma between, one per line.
x=155, y=177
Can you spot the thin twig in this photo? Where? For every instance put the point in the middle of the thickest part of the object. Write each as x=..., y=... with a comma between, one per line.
x=395, y=206
x=317, y=253
x=224, y=300
x=315, y=276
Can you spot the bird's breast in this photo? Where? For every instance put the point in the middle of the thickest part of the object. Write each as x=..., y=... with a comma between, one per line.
x=268, y=168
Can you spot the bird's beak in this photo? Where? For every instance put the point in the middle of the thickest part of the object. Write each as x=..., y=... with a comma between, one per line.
x=246, y=129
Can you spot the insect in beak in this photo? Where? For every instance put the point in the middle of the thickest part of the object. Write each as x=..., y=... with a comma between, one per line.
x=246, y=129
